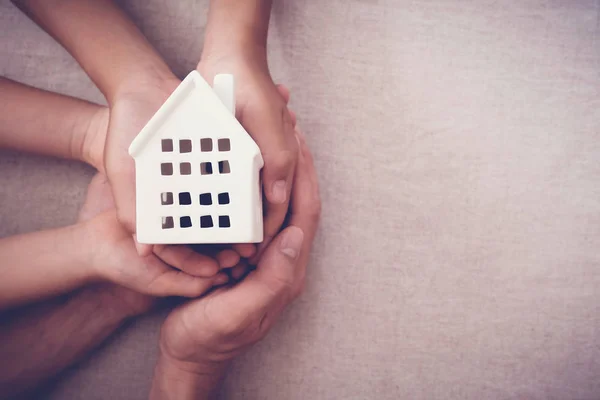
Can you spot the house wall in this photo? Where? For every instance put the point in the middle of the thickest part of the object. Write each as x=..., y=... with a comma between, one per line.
x=182, y=173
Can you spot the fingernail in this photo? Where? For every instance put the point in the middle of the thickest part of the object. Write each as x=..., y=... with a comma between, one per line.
x=278, y=192
x=292, y=242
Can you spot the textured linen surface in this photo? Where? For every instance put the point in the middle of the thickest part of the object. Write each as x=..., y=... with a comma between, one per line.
x=458, y=149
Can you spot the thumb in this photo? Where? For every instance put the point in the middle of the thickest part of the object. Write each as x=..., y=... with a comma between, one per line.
x=274, y=277
x=277, y=265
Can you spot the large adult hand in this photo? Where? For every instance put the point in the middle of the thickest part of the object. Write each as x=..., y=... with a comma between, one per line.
x=200, y=338
x=262, y=110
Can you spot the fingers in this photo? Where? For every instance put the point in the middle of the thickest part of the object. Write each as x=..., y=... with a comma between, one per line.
x=228, y=258
x=306, y=201
x=245, y=250
x=239, y=271
x=178, y=283
x=284, y=92
x=278, y=175
x=293, y=117
x=186, y=259
x=121, y=264
x=268, y=121
x=248, y=309
x=305, y=207
x=267, y=287
x=226, y=255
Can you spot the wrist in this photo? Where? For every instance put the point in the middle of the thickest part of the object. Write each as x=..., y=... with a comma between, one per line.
x=122, y=303
x=142, y=77
x=79, y=249
x=239, y=45
x=104, y=297
x=174, y=379
x=90, y=246
x=92, y=149
x=239, y=28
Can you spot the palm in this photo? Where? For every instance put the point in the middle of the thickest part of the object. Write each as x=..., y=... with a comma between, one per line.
x=128, y=115
x=262, y=110
x=199, y=325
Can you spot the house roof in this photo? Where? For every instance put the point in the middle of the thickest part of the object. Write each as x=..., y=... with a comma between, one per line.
x=192, y=82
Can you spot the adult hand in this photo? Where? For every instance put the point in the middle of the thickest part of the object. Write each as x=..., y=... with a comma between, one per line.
x=262, y=110
x=201, y=337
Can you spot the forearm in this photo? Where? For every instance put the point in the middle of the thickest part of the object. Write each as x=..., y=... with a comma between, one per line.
x=174, y=382
x=104, y=41
x=241, y=25
x=38, y=121
x=49, y=337
x=42, y=264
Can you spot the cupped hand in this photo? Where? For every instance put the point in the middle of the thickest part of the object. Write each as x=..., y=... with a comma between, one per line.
x=97, y=201
x=199, y=338
x=114, y=258
x=261, y=107
x=128, y=114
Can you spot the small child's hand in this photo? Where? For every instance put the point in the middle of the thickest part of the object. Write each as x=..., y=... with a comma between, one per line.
x=113, y=257
x=262, y=110
x=105, y=147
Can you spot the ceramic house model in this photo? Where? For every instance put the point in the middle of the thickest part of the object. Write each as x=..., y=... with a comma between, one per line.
x=197, y=170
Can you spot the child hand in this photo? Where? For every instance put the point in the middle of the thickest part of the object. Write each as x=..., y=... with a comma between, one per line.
x=99, y=200
x=262, y=110
x=129, y=113
x=113, y=257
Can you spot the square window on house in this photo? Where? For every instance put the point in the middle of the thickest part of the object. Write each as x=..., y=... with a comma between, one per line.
x=206, y=168
x=185, y=199
x=185, y=146
x=224, y=167
x=206, y=144
x=206, y=221
x=166, y=169
x=185, y=222
x=224, y=145
x=205, y=199
x=224, y=198
x=167, y=223
x=166, y=145
x=185, y=168
x=166, y=198
x=224, y=221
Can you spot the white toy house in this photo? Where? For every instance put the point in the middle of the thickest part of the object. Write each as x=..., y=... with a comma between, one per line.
x=197, y=170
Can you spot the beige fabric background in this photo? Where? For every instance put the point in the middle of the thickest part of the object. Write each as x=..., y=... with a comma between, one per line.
x=458, y=148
